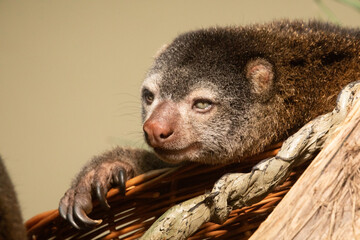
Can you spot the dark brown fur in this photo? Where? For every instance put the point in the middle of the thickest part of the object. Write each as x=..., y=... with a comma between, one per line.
x=11, y=223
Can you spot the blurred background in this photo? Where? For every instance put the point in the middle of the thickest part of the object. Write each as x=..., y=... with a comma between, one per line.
x=70, y=73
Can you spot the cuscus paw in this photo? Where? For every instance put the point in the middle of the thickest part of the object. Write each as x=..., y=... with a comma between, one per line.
x=76, y=204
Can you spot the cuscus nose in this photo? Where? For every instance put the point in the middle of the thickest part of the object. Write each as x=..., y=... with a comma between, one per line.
x=157, y=132
x=159, y=128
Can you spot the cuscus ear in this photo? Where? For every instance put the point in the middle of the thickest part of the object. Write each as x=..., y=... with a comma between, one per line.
x=260, y=73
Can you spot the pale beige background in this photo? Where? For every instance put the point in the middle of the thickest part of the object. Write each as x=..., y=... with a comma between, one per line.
x=70, y=73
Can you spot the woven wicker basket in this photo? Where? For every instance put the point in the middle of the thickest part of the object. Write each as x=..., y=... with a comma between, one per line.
x=149, y=195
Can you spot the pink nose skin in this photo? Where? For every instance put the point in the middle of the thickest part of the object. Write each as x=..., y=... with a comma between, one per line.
x=159, y=128
x=157, y=132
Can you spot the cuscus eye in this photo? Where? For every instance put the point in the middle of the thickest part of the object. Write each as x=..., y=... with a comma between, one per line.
x=148, y=96
x=202, y=105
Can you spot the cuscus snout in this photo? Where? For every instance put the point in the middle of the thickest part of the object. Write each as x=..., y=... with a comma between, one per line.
x=161, y=127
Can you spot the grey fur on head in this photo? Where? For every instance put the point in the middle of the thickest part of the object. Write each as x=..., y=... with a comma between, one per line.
x=305, y=64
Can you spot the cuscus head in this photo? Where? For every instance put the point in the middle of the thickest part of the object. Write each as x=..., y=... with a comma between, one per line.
x=198, y=95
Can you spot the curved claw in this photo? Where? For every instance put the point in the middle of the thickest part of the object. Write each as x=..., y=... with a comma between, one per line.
x=80, y=214
x=101, y=195
x=70, y=218
x=62, y=211
x=120, y=181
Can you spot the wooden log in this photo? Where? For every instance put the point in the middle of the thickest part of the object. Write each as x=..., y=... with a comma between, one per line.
x=325, y=202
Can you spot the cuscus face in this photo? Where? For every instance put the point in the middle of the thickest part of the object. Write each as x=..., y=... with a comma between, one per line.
x=196, y=99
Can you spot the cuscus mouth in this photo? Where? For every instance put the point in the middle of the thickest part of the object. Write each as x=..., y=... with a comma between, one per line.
x=177, y=151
